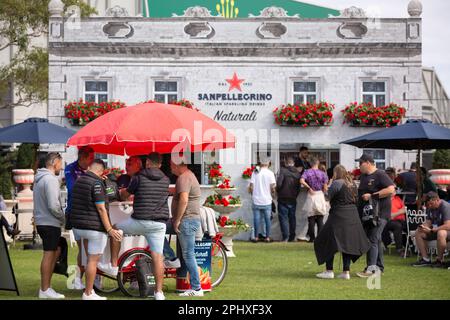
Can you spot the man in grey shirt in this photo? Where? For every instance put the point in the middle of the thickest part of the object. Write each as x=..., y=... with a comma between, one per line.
x=436, y=227
x=49, y=219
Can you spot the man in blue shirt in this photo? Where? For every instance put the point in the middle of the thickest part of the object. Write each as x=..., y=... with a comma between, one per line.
x=75, y=170
x=72, y=172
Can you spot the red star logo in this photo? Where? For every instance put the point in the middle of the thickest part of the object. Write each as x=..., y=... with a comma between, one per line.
x=235, y=82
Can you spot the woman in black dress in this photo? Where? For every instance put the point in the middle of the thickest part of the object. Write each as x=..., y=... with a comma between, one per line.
x=343, y=231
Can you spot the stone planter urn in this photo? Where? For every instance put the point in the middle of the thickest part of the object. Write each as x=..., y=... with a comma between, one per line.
x=228, y=233
x=440, y=177
x=24, y=178
x=224, y=192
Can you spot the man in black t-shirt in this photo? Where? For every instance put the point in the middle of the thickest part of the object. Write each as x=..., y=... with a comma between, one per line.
x=302, y=162
x=376, y=185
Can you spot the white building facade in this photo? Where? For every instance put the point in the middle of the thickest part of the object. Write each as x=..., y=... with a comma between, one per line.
x=237, y=71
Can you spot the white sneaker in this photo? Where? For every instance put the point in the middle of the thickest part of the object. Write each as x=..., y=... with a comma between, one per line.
x=92, y=296
x=169, y=264
x=50, y=294
x=344, y=275
x=78, y=284
x=159, y=296
x=108, y=269
x=325, y=275
x=192, y=293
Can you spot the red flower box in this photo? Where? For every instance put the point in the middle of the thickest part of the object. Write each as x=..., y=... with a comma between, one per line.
x=305, y=114
x=366, y=114
x=82, y=112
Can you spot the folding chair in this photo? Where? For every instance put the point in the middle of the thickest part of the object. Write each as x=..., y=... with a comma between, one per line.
x=414, y=218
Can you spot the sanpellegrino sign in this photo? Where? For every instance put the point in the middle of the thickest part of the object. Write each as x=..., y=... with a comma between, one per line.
x=234, y=99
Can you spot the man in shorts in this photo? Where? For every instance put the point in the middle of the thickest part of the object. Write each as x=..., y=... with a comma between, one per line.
x=436, y=227
x=49, y=218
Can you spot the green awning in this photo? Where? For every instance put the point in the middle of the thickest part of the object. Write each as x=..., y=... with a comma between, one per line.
x=233, y=8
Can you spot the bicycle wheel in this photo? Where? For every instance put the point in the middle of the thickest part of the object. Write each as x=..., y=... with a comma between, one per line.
x=105, y=283
x=219, y=263
x=126, y=278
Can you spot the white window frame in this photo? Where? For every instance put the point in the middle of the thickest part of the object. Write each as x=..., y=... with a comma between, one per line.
x=166, y=93
x=386, y=92
x=304, y=93
x=108, y=92
x=377, y=161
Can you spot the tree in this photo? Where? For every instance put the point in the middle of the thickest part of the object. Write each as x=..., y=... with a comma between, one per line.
x=20, y=22
x=7, y=160
x=441, y=159
x=26, y=157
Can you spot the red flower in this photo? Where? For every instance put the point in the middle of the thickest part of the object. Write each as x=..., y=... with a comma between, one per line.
x=223, y=221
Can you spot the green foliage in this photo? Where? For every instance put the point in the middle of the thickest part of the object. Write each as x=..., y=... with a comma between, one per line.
x=6, y=165
x=20, y=22
x=441, y=159
x=26, y=157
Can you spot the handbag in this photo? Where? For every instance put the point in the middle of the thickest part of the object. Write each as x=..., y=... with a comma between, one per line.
x=370, y=214
x=61, y=263
x=145, y=277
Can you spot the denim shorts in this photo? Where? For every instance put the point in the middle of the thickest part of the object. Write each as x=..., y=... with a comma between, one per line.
x=96, y=240
x=153, y=231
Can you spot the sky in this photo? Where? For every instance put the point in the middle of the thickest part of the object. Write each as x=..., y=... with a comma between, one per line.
x=436, y=27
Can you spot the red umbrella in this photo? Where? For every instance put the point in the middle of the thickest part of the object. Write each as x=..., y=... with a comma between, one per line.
x=148, y=127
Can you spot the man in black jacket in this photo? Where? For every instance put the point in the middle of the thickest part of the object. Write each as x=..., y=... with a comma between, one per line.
x=288, y=187
x=150, y=213
x=90, y=221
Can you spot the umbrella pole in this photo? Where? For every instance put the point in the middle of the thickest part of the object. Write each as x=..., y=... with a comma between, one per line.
x=419, y=180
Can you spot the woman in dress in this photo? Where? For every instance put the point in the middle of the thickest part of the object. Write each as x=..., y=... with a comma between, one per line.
x=343, y=231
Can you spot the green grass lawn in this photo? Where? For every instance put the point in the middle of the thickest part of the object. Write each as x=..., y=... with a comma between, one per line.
x=270, y=271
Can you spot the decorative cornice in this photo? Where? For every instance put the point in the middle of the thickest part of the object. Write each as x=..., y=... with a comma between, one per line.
x=195, y=12
x=352, y=13
x=116, y=11
x=205, y=50
x=274, y=12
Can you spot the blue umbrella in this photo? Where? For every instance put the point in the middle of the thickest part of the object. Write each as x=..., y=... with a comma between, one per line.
x=413, y=135
x=37, y=131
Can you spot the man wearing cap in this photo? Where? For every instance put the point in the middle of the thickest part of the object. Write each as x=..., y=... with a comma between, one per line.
x=436, y=227
x=374, y=185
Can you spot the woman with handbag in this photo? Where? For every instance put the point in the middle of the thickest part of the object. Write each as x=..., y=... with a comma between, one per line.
x=343, y=231
x=316, y=182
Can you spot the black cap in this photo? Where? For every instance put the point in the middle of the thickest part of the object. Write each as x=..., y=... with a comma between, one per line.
x=431, y=195
x=366, y=158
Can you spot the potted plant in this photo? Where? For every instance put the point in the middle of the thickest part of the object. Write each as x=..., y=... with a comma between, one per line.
x=223, y=204
x=224, y=188
x=215, y=174
x=82, y=112
x=305, y=114
x=366, y=114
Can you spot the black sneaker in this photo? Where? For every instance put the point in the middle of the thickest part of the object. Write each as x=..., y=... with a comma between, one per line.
x=438, y=264
x=422, y=263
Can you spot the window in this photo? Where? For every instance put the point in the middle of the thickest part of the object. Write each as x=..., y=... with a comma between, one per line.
x=305, y=91
x=166, y=91
x=95, y=91
x=379, y=155
x=374, y=92
x=200, y=165
x=103, y=157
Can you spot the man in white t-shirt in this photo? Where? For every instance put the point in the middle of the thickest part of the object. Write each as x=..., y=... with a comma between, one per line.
x=262, y=187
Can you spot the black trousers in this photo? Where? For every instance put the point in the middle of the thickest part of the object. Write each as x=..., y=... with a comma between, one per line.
x=346, y=261
x=311, y=226
x=396, y=227
x=5, y=223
